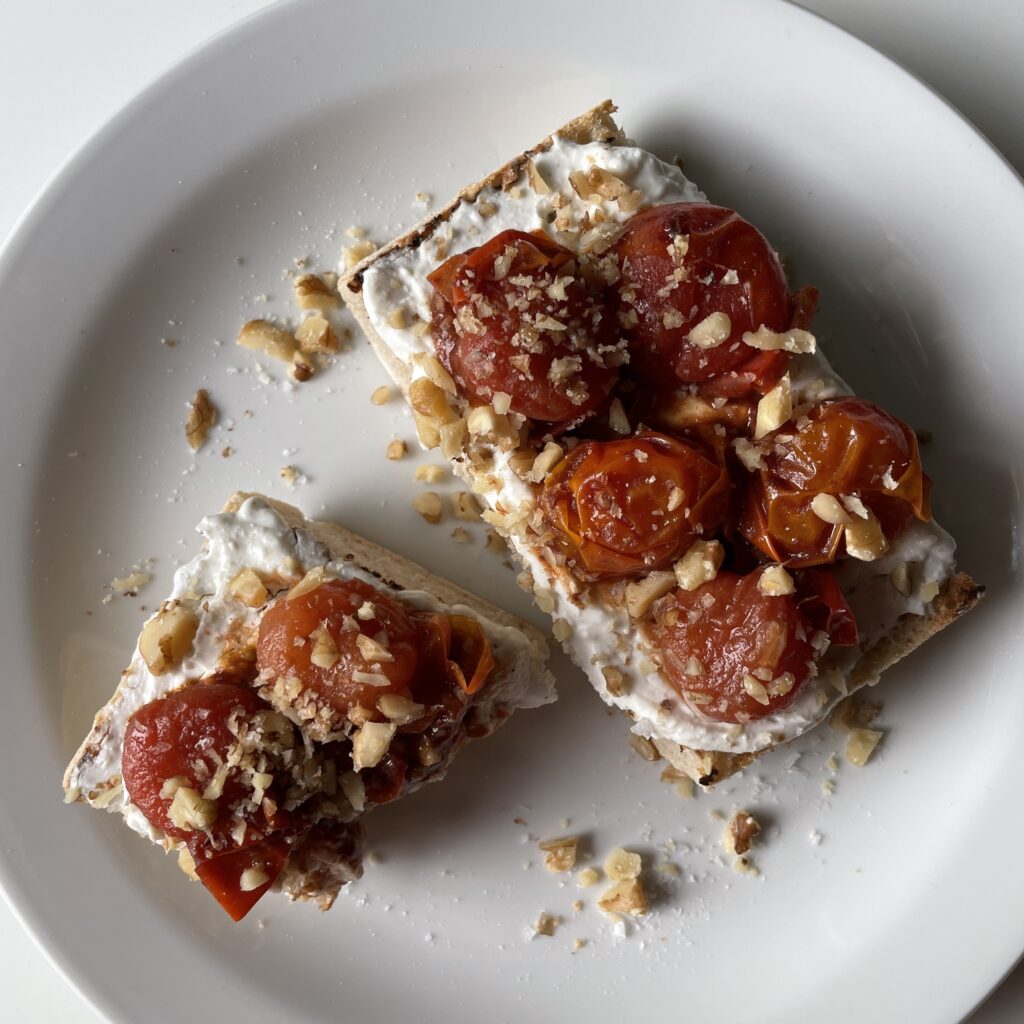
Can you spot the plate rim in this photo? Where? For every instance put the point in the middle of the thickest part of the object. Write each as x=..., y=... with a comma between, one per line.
x=124, y=118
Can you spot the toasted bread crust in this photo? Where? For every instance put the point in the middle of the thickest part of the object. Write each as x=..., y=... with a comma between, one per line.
x=705, y=767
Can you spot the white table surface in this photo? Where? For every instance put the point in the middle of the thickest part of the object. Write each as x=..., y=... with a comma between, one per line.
x=70, y=64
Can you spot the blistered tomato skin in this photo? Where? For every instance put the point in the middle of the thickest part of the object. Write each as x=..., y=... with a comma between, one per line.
x=682, y=262
x=843, y=447
x=288, y=641
x=165, y=738
x=620, y=507
x=737, y=655
x=518, y=316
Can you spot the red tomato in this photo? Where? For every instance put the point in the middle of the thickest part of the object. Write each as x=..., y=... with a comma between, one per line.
x=187, y=735
x=518, y=316
x=623, y=506
x=288, y=636
x=737, y=655
x=843, y=447
x=680, y=263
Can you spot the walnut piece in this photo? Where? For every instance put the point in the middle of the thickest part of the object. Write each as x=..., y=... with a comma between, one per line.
x=316, y=335
x=625, y=897
x=247, y=587
x=740, y=833
x=396, y=450
x=370, y=743
x=560, y=853
x=202, y=415
x=641, y=594
x=861, y=745
x=167, y=637
x=621, y=865
x=429, y=506
x=699, y=565
x=312, y=292
x=263, y=336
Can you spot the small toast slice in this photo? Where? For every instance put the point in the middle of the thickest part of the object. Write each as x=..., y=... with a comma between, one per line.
x=377, y=701
x=578, y=186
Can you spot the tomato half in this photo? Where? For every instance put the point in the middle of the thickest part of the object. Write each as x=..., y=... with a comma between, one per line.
x=619, y=507
x=517, y=316
x=845, y=447
x=682, y=262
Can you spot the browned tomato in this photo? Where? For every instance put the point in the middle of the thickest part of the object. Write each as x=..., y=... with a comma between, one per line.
x=737, y=655
x=684, y=261
x=185, y=736
x=516, y=316
x=843, y=447
x=178, y=742
x=371, y=648
x=636, y=504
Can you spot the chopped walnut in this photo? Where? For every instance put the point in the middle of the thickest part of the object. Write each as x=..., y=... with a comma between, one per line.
x=865, y=539
x=642, y=593
x=560, y=853
x=861, y=745
x=202, y=415
x=357, y=252
x=465, y=506
x=613, y=680
x=189, y=811
x=398, y=709
x=740, y=832
x=794, y=340
x=291, y=476
x=625, y=897
x=461, y=535
x=828, y=508
x=316, y=335
x=430, y=474
x=621, y=865
x=699, y=565
x=313, y=579
x=774, y=409
x=381, y=395
x=775, y=582
x=396, y=450
x=429, y=506
x=370, y=742
x=588, y=877
x=167, y=637
x=263, y=336
x=712, y=331
x=549, y=457
x=312, y=292
x=247, y=587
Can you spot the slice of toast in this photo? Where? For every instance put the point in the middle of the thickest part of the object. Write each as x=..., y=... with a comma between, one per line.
x=280, y=545
x=478, y=460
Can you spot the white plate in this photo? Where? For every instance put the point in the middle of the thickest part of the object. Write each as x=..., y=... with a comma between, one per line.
x=265, y=145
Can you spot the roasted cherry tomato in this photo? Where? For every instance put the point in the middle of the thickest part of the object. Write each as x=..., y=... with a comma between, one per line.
x=737, y=655
x=846, y=448
x=238, y=878
x=682, y=262
x=623, y=506
x=345, y=641
x=517, y=316
x=180, y=741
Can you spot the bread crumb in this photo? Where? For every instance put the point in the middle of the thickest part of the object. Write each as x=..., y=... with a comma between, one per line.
x=621, y=865
x=625, y=897
x=577, y=905
x=292, y=477
x=396, y=450
x=588, y=877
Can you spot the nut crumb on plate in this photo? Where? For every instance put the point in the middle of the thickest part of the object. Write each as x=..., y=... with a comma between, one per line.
x=396, y=450
x=740, y=832
x=429, y=506
x=560, y=854
x=202, y=415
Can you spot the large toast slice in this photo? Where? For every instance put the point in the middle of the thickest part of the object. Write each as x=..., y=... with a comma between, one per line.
x=501, y=459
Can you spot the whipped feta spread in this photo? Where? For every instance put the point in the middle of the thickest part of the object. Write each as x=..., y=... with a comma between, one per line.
x=256, y=537
x=606, y=637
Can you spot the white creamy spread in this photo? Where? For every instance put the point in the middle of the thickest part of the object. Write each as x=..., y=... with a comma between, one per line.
x=600, y=636
x=256, y=537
